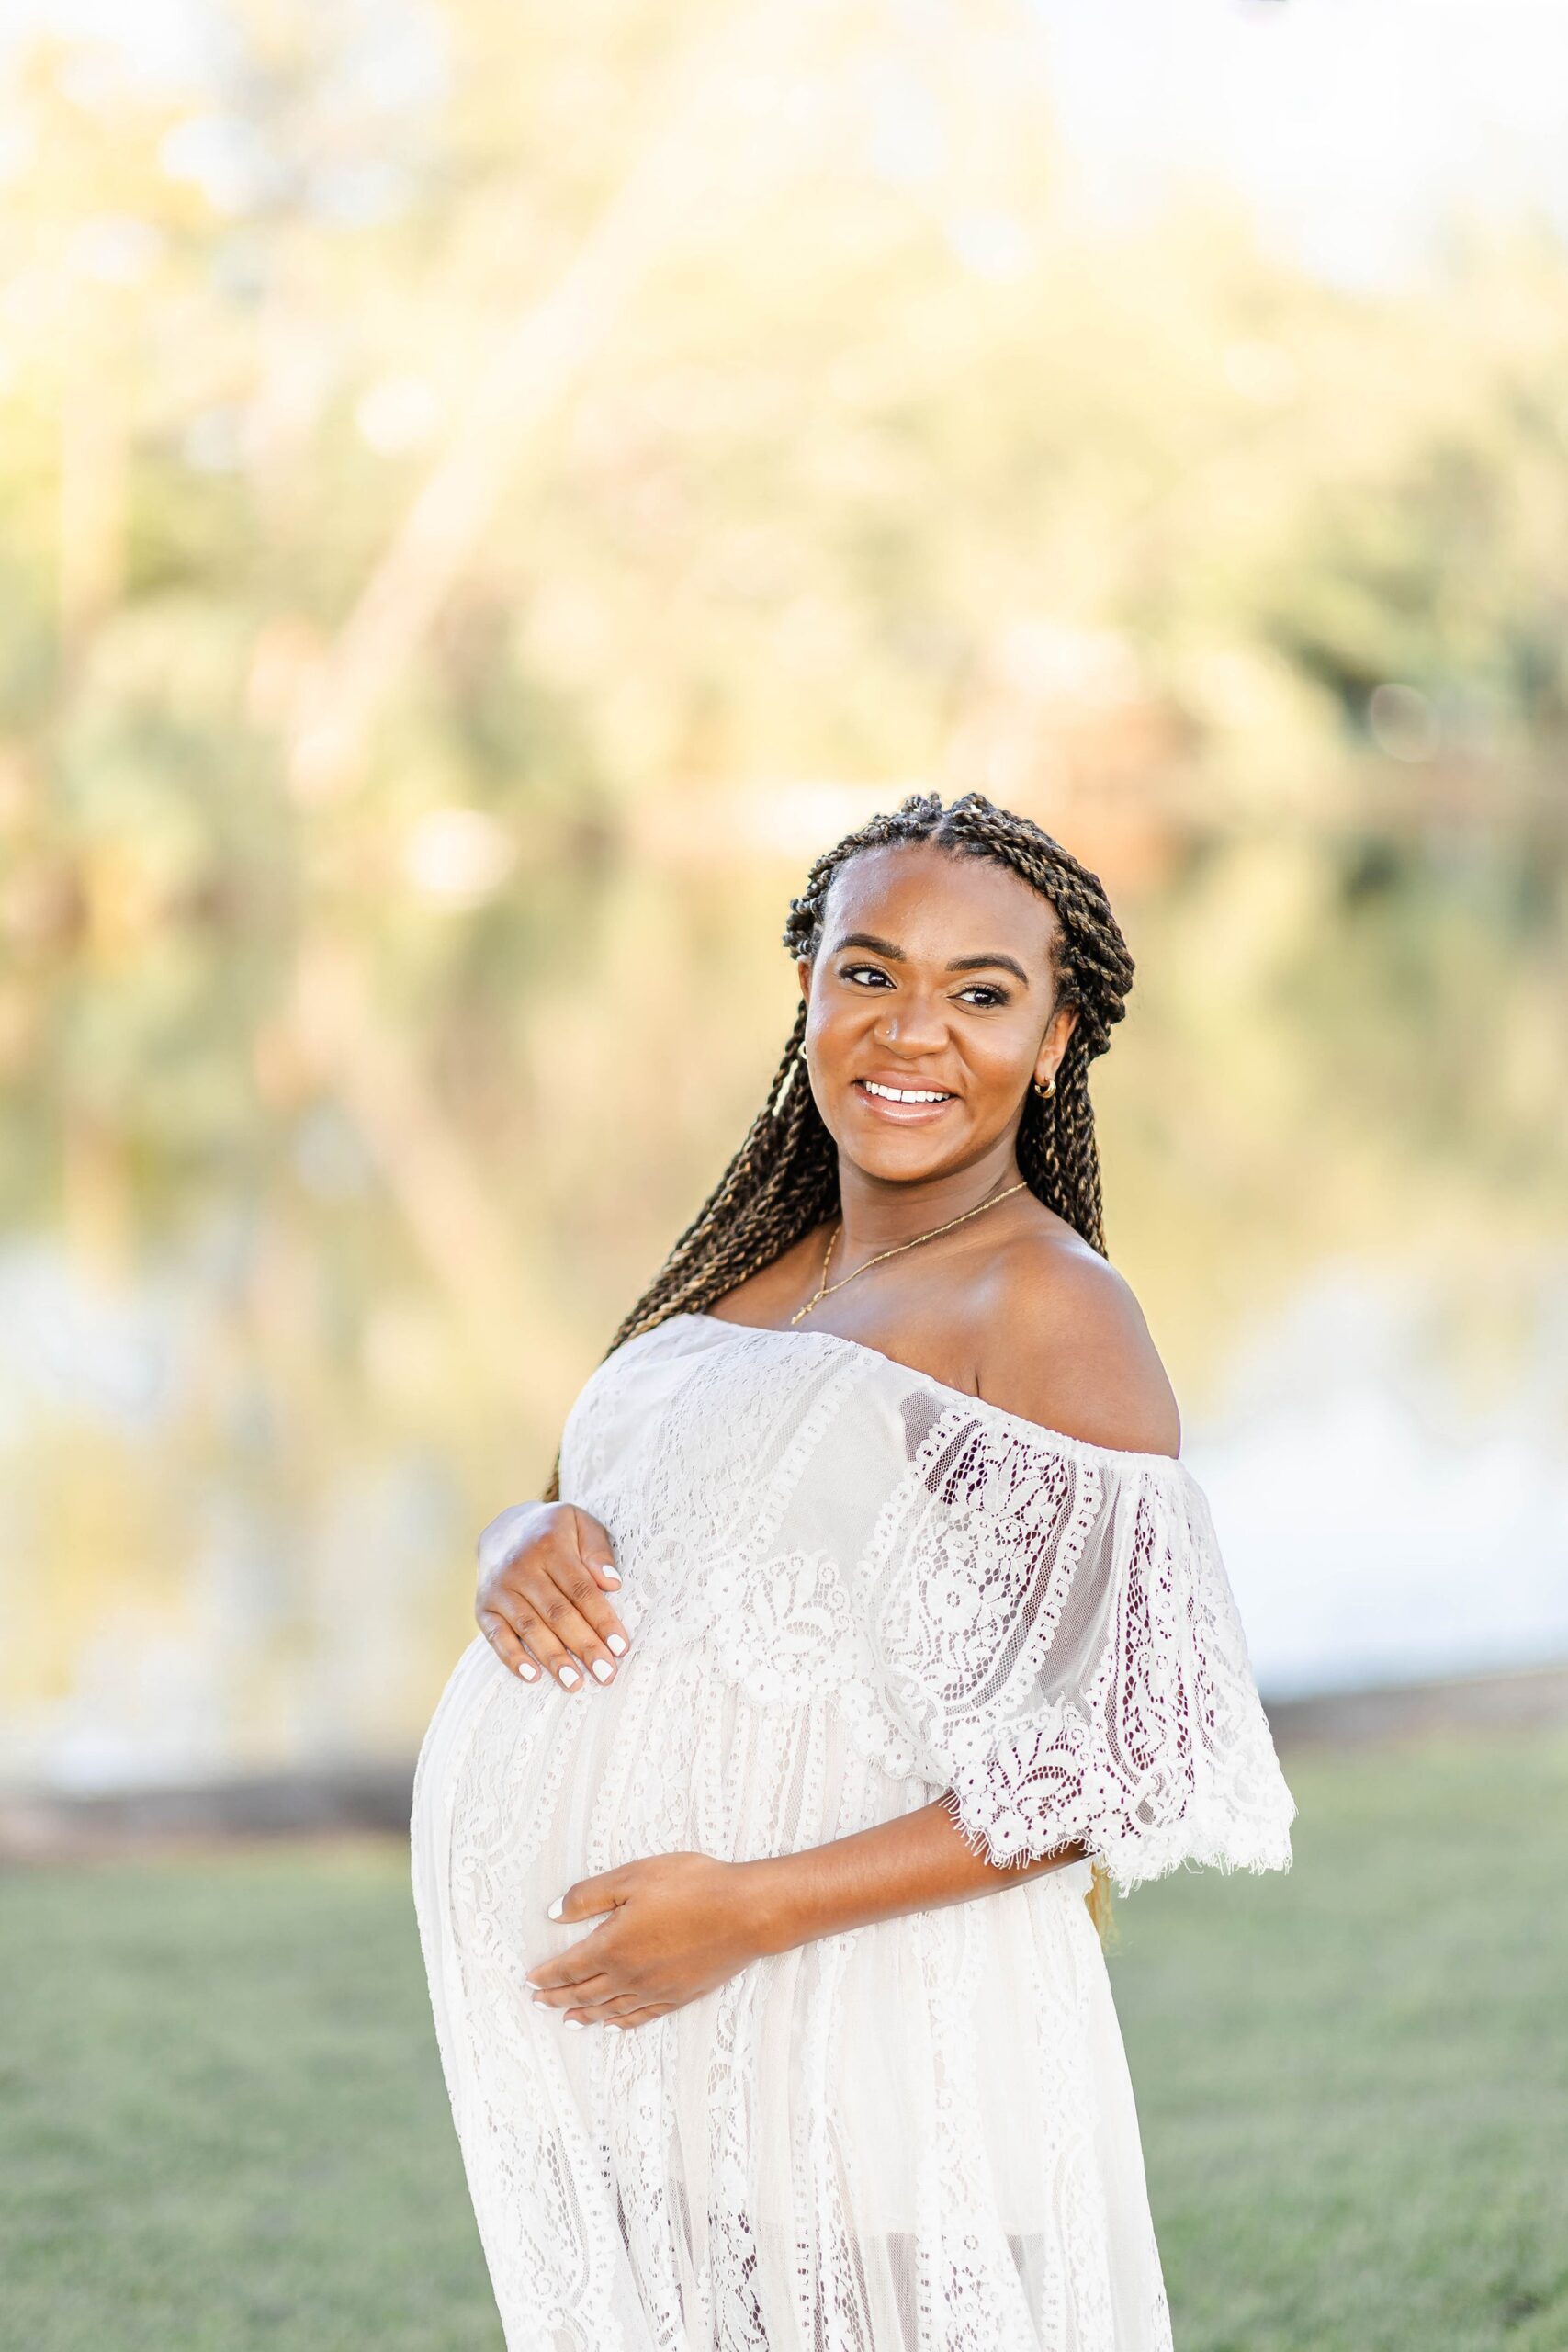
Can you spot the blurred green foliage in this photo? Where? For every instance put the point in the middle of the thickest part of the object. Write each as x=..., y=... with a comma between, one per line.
x=484, y=497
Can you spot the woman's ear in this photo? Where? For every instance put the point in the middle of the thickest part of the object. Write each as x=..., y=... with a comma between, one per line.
x=803, y=969
x=1059, y=1028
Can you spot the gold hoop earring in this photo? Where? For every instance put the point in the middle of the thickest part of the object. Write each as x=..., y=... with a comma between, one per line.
x=1044, y=1092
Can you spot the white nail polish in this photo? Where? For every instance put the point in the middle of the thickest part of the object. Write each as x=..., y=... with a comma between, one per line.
x=617, y=1642
x=528, y=1673
x=555, y=1910
x=569, y=1678
x=609, y=1576
x=574, y=2025
x=603, y=1669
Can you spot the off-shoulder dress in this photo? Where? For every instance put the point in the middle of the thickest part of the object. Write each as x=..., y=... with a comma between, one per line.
x=850, y=1588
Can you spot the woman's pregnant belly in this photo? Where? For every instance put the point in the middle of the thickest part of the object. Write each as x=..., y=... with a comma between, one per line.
x=541, y=1786
x=522, y=1790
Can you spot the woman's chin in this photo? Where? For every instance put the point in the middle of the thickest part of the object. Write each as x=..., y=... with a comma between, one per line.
x=897, y=1159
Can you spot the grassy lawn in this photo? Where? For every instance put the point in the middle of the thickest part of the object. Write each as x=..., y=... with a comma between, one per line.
x=1353, y=2080
x=222, y=2123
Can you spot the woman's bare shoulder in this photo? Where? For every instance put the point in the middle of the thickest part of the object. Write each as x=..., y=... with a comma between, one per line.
x=1066, y=1344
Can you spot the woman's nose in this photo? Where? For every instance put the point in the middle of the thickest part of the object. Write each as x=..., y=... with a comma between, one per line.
x=913, y=1021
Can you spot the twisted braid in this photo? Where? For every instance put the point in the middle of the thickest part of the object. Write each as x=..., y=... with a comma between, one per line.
x=783, y=1181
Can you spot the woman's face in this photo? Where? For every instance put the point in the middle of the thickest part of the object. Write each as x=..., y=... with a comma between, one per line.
x=931, y=1008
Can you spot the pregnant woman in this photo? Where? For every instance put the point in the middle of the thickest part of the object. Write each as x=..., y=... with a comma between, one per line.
x=870, y=1633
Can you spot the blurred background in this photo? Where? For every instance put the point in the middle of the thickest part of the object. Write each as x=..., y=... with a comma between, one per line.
x=486, y=495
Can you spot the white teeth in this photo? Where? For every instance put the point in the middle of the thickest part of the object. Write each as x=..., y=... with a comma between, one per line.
x=901, y=1094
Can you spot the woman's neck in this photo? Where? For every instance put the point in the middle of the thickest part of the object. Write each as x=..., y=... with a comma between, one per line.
x=878, y=1214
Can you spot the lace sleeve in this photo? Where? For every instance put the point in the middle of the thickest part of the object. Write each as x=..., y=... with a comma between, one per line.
x=1056, y=1631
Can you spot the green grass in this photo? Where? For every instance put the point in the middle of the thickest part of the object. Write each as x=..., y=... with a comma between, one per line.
x=1353, y=2080
x=222, y=2124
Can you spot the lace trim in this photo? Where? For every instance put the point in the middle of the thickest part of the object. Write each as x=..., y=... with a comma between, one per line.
x=1163, y=1758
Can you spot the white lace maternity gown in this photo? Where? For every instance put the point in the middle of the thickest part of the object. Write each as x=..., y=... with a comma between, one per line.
x=849, y=1589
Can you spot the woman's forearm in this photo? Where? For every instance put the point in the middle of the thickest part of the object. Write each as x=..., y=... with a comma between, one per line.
x=916, y=1863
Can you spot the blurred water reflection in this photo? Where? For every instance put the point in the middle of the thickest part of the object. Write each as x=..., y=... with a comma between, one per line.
x=1381, y=1526
x=1378, y=1526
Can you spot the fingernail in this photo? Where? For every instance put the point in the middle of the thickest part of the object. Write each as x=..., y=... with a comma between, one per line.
x=529, y=1673
x=608, y=1573
x=569, y=1678
x=574, y=2025
x=603, y=1669
x=617, y=1642
x=556, y=1907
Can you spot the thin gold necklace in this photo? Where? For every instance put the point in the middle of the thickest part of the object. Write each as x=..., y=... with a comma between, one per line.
x=825, y=1289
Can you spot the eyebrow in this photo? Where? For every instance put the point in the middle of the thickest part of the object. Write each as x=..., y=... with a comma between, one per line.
x=959, y=963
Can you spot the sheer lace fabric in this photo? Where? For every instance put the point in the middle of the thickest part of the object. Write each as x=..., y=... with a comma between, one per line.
x=850, y=1590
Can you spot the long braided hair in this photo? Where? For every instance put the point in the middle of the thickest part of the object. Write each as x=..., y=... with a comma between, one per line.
x=783, y=1181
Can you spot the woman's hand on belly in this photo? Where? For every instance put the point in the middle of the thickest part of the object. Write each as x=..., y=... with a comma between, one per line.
x=545, y=1571
x=672, y=1928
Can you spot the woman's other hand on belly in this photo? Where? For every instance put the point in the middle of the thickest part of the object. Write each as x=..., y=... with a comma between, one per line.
x=669, y=1929
x=546, y=1572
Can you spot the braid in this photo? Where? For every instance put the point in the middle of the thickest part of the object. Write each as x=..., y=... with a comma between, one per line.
x=783, y=1181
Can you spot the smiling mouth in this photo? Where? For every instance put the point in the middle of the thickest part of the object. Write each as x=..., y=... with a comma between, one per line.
x=902, y=1102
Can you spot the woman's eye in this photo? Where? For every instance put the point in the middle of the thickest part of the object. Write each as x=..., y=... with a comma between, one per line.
x=980, y=991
